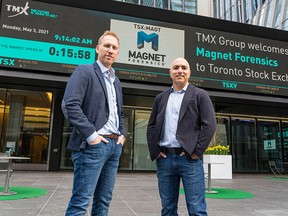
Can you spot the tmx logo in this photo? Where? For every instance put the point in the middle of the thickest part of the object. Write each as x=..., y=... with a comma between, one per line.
x=18, y=9
x=142, y=36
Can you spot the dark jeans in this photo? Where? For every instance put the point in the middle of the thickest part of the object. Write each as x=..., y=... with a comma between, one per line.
x=169, y=172
x=95, y=170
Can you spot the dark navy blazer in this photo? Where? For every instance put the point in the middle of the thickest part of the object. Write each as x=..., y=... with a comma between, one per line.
x=196, y=124
x=85, y=104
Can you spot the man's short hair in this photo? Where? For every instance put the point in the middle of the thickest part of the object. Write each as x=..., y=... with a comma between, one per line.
x=108, y=33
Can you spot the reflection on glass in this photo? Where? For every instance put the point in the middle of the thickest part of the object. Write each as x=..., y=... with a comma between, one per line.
x=247, y=10
x=131, y=1
x=277, y=13
x=154, y=3
x=177, y=5
x=190, y=6
x=261, y=17
x=66, y=162
x=126, y=156
x=135, y=140
x=2, y=119
x=255, y=6
x=221, y=136
x=285, y=141
x=142, y=159
x=269, y=143
x=244, y=145
x=268, y=17
x=127, y=150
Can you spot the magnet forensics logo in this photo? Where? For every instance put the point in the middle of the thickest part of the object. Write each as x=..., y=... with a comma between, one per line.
x=148, y=45
x=149, y=38
x=18, y=10
x=149, y=54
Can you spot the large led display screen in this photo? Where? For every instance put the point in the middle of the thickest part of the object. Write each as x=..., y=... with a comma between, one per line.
x=53, y=38
x=238, y=62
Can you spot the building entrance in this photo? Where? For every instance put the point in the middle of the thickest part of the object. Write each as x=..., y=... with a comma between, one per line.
x=269, y=143
x=244, y=144
x=253, y=142
x=253, y=135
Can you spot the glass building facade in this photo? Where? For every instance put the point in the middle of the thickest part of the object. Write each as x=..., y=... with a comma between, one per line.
x=266, y=13
x=185, y=6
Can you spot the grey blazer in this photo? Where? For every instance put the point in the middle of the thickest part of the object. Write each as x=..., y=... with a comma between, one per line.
x=85, y=104
x=196, y=124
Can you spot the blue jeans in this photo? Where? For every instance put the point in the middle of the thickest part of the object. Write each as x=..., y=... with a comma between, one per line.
x=95, y=170
x=169, y=172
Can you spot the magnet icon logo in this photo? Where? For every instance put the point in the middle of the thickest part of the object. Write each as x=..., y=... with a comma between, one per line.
x=149, y=38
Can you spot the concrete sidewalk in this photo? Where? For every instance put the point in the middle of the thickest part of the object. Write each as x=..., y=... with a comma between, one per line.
x=137, y=194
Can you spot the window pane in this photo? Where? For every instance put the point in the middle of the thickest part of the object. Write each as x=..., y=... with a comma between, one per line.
x=127, y=151
x=247, y=9
x=190, y=6
x=177, y=5
x=142, y=159
x=27, y=124
x=269, y=143
x=277, y=14
x=285, y=140
x=244, y=148
x=261, y=17
x=269, y=16
x=255, y=6
x=3, y=118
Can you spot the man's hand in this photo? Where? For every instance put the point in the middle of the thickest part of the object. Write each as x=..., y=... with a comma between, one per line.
x=121, y=140
x=98, y=140
x=161, y=154
x=194, y=156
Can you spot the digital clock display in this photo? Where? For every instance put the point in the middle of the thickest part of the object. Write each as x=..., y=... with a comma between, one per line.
x=72, y=39
x=47, y=37
x=46, y=52
x=70, y=53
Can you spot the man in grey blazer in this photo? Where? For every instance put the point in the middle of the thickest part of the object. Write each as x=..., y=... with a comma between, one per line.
x=92, y=103
x=180, y=128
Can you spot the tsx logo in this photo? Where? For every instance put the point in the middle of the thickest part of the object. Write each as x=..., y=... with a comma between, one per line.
x=142, y=36
x=7, y=61
x=18, y=9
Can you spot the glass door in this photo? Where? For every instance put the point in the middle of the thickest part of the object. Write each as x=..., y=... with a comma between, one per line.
x=142, y=160
x=221, y=136
x=285, y=145
x=244, y=144
x=66, y=162
x=3, y=117
x=285, y=140
x=126, y=159
x=269, y=143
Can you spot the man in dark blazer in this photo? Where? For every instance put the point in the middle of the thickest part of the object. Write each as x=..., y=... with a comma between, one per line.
x=180, y=128
x=92, y=103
